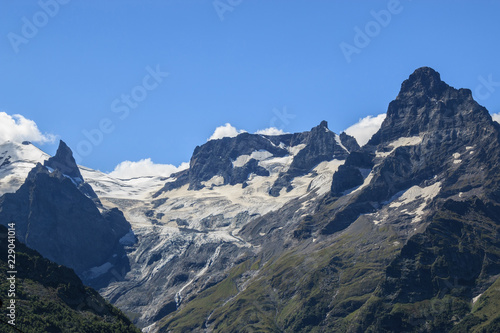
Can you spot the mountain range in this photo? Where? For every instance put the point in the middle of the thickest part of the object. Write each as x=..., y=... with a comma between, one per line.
x=303, y=232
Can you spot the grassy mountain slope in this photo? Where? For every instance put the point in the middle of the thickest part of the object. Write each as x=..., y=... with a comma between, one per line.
x=365, y=281
x=51, y=298
x=296, y=291
x=430, y=286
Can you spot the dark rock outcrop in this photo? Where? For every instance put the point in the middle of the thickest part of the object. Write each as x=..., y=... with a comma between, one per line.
x=320, y=145
x=64, y=161
x=427, y=104
x=345, y=178
x=240, y=174
x=349, y=142
x=215, y=158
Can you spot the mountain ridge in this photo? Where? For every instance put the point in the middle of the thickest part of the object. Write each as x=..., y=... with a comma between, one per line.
x=309, y=232
x=405, y=180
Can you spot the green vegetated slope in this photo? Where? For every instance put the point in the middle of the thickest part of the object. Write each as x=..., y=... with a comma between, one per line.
x=429, y=287
x=364, y=280
x=51, y=298
x=297, y=291
x=485, y=316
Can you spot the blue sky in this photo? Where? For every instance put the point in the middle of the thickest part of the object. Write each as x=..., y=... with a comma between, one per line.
x=189, y=66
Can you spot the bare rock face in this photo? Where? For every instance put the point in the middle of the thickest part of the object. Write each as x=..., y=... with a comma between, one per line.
x=64, y=162
x=73, y=306
x=349, y=142
x=216, y=157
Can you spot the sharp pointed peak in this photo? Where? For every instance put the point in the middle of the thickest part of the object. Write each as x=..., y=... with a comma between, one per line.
x=64, y=161
x=63, y=148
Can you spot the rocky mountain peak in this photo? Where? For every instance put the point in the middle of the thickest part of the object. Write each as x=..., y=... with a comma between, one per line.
x=323, y=124
x=349, y=142
x=426, y=104
x=234, y=160
x=427, y=126
x=63, y=161
x=424, y=80
x=320, y=129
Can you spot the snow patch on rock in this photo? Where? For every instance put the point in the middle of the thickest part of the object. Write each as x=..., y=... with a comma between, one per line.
x=414, y=193
x=401, y=142
x=258, y=155
x=294, y=150
x=339, y=142
x=216, y=180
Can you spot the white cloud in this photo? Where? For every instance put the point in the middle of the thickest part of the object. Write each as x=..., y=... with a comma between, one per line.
x=270, y=131
x=496, y=117
x=17, y=128
x=364, y=129
x=145, y=167
x=225, y=131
